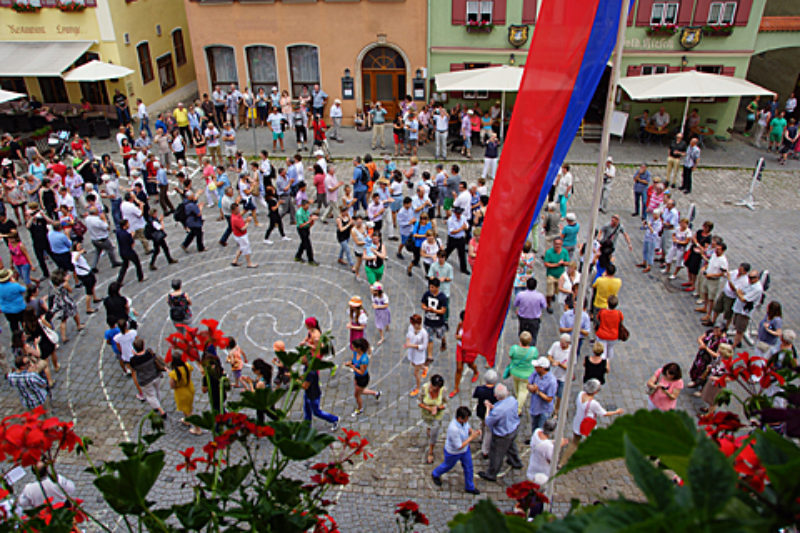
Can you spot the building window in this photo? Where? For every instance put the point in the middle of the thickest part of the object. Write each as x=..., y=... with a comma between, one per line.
x=664, y=13
x=475, y=95
x=145, y=63
x=166, y=72
x=304, y=67
x=721, y=13
x=177, y=45
x=53, y=90
x=221, y=65
x=480, y=11
x=653, y=69
x=262, y=67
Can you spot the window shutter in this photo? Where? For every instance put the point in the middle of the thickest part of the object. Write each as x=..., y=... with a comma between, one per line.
x=456, y=67
x=459, y=12
x=728, y=71
x=742, y=12
x=528, y=11
x=701, y=13
x=499, y=13
x=631, y=13
x=685, y=12
x=634, y=70
x=671, y=69
x=645, y=8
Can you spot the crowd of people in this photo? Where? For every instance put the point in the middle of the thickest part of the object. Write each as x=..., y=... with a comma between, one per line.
x=371, y=205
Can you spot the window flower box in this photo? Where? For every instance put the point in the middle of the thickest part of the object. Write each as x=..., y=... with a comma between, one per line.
x=71, y=6
x=718, y=30
x=665, y=30
x=479, y=26
x=25, y=7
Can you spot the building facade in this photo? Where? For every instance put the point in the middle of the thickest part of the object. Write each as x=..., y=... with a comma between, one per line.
x=377, y=45
x=42, y=39
x=722, y=37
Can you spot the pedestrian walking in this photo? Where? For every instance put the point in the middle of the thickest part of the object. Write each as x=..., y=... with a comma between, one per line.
x=383, y=316
x=503, y=421
x=312, y=396
x=180, y=381
x=239, y=227
x=194, y=222
x=305, y=221
x=456, y=449
x=358, y=365
x=128, y=254
x=432, y=403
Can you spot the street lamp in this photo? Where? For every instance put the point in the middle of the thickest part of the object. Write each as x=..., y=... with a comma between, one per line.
x=418, y=85
x=512, y=60
x=348, y=87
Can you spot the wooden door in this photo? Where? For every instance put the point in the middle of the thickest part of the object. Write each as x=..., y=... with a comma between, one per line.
x=383, y=79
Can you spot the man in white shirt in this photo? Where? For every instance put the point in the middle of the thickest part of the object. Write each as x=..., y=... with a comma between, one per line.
x=661, y=119
x=558, y=354
x=464, y=199
x=609, y=173
x=563, y=188
x=97, y=231
x=457, y=227
x=336, y=118
x=275, y=120
x=144, y=118
x=44, y=488
x=332, y=185
x=132, y=210
x=746, y=299
x=441, y=121
x=715, y=270
x=320, y=160
x=121, y=135
x=734, y=282
x=212, y=142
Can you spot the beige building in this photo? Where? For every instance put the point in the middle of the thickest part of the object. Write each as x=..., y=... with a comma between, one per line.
x=294, y=43
x=41, y=40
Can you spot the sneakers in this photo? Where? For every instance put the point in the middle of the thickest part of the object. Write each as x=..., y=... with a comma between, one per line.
x=413, y=392
x=663, y=270
x=334, y=368
x=473, y=490
x=335, y=425
x=313, y=263
x=673, y=276
x=140, y=397
x=436, y=480
x=284, y=238
x=356, y=412
x=378, y=396
x=267, y=241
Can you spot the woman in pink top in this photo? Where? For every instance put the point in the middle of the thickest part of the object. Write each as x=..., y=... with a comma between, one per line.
x=666, y=385
x=472, y=251
x=319, y=183
x=20, y=257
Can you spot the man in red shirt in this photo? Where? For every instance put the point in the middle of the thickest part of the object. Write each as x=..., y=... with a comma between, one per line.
x=59, y=168
x=239, y=229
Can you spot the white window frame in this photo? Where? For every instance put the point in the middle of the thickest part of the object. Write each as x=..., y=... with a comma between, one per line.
x=659, y=12
x=719, y=18
x=479, y=10
x=653, y=69
x=288, y=55
x=475, y=95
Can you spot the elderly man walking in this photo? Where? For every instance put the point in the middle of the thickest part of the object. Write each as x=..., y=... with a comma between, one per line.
x=456, y=448
x=503, y=421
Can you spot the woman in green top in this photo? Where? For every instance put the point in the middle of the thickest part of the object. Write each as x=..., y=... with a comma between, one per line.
x=432, y=402
x=520, y=368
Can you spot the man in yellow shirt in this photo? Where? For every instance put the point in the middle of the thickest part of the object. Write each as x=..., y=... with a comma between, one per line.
x=181, y=115
x=605, y=286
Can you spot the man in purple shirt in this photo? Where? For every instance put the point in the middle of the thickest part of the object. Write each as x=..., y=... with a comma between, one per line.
x=529, y=305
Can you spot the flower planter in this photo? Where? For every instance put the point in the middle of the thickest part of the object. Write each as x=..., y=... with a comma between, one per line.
x=25, y=8
x=662, y=31
x=71, y=7
x=717, y=31
x=479, y=28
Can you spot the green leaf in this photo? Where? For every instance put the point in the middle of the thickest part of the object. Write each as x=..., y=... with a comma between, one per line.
x=261, y=399
x=652, y=481
x=483, y=517
x=320, y=364
x=126, y=489
x=298, y=440
x=669, y=435
x=194, y=515
x=231, y=478
x=711, y=479
x=290, y=358
x=207, y=420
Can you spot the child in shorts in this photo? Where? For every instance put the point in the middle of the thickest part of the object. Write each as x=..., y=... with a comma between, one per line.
x=236, y=358
x=282, y=374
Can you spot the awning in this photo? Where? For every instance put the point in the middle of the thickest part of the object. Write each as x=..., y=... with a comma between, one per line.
x=39, y=58
x=502, y=78
x=7, y=96
x=97, y=71
x=689, y=84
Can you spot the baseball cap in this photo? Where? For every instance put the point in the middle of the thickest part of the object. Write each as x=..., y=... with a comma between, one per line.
x=542, y=362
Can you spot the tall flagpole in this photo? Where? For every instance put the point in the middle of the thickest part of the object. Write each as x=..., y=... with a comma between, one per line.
x=588, y=251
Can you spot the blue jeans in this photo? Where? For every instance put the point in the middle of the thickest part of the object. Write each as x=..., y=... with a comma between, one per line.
x=538, y=421
x=344, y=251
x=450, y=461
x=361, y=199
x=311, y=407
x=639, y=200
x=144, y=125
x=24, y=272
x=648, y=251
x=116, y=212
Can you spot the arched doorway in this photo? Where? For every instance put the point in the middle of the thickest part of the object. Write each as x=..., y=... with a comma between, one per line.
x=383, y=78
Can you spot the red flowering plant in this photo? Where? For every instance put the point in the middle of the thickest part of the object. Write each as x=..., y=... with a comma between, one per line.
x=721, y=470
x=239, y=478
x=409, y=515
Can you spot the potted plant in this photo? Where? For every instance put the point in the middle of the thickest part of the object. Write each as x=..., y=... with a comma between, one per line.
x=71, y=6
x=717, y=30
x=663, y=30
x=25, y=7
x=479, y=26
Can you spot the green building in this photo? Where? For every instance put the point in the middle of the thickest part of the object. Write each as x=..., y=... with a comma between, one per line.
x=661, y=37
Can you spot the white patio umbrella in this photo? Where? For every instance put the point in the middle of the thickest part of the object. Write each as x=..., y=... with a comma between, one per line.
x=689, y=84
x=7, y=96
x=97, y=71
x=503, y=78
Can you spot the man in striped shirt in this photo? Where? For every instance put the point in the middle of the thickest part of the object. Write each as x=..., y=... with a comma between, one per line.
x=32, y=387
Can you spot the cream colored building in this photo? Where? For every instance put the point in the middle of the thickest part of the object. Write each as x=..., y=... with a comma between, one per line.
x=42, y=39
